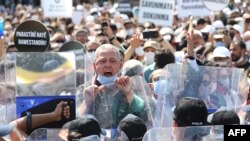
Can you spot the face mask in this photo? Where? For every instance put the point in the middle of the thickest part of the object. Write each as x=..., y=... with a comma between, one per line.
x=6, y=39
x=130, y=31
x=213, y=87
x=204, y=91
x=248, y=45
x=11, y=56
x=62, y=26
x=222, y=64
x=95, y=17
x=139, y=51
x=106, y=80
x=217, y=44
x=149, y=57
x=224, y=82
x=8, y=112
x=162, y=87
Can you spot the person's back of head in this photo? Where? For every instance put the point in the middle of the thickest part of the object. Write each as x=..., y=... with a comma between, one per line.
x=164, y=57
x=190, y=111
x=50, y=65
x=83, y=127
x=133, y=126
x=190, y=119
x=224, y=117
x=132, y=67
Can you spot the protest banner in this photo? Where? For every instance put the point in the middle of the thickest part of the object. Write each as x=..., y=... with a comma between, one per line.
x=160, y=12
x=194, y=8
x=31, y=36
x=215, y=5
x=57, y=8
x=124, y=7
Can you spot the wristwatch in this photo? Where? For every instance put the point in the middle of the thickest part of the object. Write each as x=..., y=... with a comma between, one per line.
x=28, y=121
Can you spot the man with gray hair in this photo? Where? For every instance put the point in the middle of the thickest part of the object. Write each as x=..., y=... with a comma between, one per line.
x=99, y=98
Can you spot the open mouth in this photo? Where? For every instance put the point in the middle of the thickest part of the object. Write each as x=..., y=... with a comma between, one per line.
x=107, y=74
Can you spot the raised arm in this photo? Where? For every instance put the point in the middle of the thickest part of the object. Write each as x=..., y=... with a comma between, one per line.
x=19, y=132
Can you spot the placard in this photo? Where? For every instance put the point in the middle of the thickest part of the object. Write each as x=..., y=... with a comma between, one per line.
x=57, y=8
x=194, y=8
x=160, y=12
x=31, y=36
x=215, y=5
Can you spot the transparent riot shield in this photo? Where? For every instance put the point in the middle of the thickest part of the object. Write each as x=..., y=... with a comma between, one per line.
x=244, y=115
x=59, y=134
x=84, y=77
x=88, y=66
x=217, y=87
x=110, y=103
x=41, y=74
x=123, y=137
x=194, y=133
x=43, y=81
x=7, y=91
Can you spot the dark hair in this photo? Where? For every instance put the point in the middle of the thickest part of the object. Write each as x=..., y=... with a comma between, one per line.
x=240, y=43
x=134, y=128
x=201, y=22
x=113, y=27
x=164, y=57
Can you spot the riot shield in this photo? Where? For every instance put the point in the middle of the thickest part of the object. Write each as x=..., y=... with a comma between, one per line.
x=244, y=115
x=217, y=87
x=43, y=81
x=41, y=74
x=7, y=92
x=84, y=77
x=191, y=133
x=123, y=137
x=110, y=104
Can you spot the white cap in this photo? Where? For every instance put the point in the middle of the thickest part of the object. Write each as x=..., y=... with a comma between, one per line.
x=90, y=18
x=238, y=28
x=166, y=30
x=208, y=29
x=221, y=51
x=79, y=7
x=124, y=17
x=227, y=11
x=218, y=24
x=92, y=10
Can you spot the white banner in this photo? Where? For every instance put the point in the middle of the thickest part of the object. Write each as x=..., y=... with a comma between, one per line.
x=57, y=8
x=77, y=17
x=215, y=5
x=194, y=8
x=160, y=12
